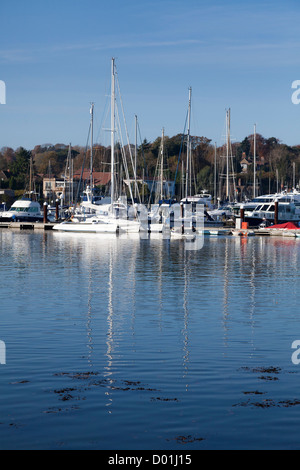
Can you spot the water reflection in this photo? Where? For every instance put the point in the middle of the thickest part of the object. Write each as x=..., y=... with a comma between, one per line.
x=177, y=323
x=156, y=287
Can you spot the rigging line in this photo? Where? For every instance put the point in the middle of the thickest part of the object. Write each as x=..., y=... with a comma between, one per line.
x=154, y=180
x=126, y=130
x=123, y=153
x=193, y=171
x=125, y=124
x=179, y=158
x=82, y=168
x=233, y=176
x=145, y=166
x=104, y=118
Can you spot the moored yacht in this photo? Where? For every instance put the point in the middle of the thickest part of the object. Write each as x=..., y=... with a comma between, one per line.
x=265, y=210
x=111, y=215
x=23, y=210
x=204, y=198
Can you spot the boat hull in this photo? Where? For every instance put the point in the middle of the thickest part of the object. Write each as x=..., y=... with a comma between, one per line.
x=72, y=227
x=100, y=226
x=256, y=222
x=21, y=219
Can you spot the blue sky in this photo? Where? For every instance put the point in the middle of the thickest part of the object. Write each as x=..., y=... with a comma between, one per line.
x=55, y=58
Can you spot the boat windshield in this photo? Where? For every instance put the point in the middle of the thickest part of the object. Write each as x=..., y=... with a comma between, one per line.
x=17, y=209
x=25, y=209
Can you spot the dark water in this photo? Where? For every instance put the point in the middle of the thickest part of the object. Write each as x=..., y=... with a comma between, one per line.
x=135, y=344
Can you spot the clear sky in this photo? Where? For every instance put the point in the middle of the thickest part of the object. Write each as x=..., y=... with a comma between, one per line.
x=55, y=58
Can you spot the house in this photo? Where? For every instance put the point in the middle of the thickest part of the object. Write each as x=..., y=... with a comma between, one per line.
x=244, y=164
x=99, y=178
x=57, y=188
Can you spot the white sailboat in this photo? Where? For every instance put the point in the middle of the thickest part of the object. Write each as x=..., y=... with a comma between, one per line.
x=161, y=211
x=107, y=217
x=191, y=212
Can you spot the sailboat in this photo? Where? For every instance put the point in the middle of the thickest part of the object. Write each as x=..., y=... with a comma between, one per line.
x=229, y=176
x=191, y=213
x=163, y=209
x=107, y=218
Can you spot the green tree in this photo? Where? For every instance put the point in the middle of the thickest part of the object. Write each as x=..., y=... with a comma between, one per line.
x=19, y=169
x=21, y=165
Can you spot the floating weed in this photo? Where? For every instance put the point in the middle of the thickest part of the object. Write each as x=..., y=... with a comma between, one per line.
x=187, y=439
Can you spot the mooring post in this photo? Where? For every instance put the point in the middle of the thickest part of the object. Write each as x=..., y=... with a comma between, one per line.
x=182, y=217
x=45, y=212
x=57, y=210
x=276, y=214
x=242, y=213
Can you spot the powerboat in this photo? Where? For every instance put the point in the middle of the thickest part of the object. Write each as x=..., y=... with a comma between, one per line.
x=23, y=210
x=264, y=212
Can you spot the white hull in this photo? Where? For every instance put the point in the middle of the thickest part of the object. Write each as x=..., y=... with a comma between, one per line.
x=156, y=228
x=128, y=226
x=82, y=227
x=100, y=226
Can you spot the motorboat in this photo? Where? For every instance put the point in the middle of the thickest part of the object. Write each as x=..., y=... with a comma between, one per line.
x=204, y=198
x=264, y=212
x=23, y=210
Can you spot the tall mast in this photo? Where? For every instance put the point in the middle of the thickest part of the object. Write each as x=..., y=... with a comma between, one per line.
x=135, y=159
x=49, y=176
x=72, y=178
x=294, y=175
x=162, y=164
x=113, y=85
x=92, y=145
x=70, y=172
x=188, y=187
x=227, y=155
x=215, y=175
x=254, y=175
x=30, y=179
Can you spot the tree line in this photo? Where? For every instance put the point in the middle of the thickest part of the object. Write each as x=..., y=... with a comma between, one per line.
x=277, y=163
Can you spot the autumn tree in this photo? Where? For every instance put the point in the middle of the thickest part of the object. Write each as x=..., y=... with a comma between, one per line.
x=19, y=169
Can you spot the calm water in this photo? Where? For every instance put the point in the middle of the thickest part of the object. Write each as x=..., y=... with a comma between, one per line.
x=135, y=344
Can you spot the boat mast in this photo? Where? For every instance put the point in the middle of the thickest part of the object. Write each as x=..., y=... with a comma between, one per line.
x=188, y=187
x=69, y=164
x=294, y=175
x=162, y=164
x=92, y=145
x=215, y=175
x=135, y=159
x=254, y=175
x=227, y=155
x=113, y=86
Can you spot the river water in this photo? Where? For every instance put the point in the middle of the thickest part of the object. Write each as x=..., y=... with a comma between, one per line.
x=121, y=343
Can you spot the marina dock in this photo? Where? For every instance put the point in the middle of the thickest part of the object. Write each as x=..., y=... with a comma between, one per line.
x=27, y=225
x=210, y=232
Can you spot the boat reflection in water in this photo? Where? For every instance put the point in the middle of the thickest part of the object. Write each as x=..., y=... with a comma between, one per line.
x=138, y=342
